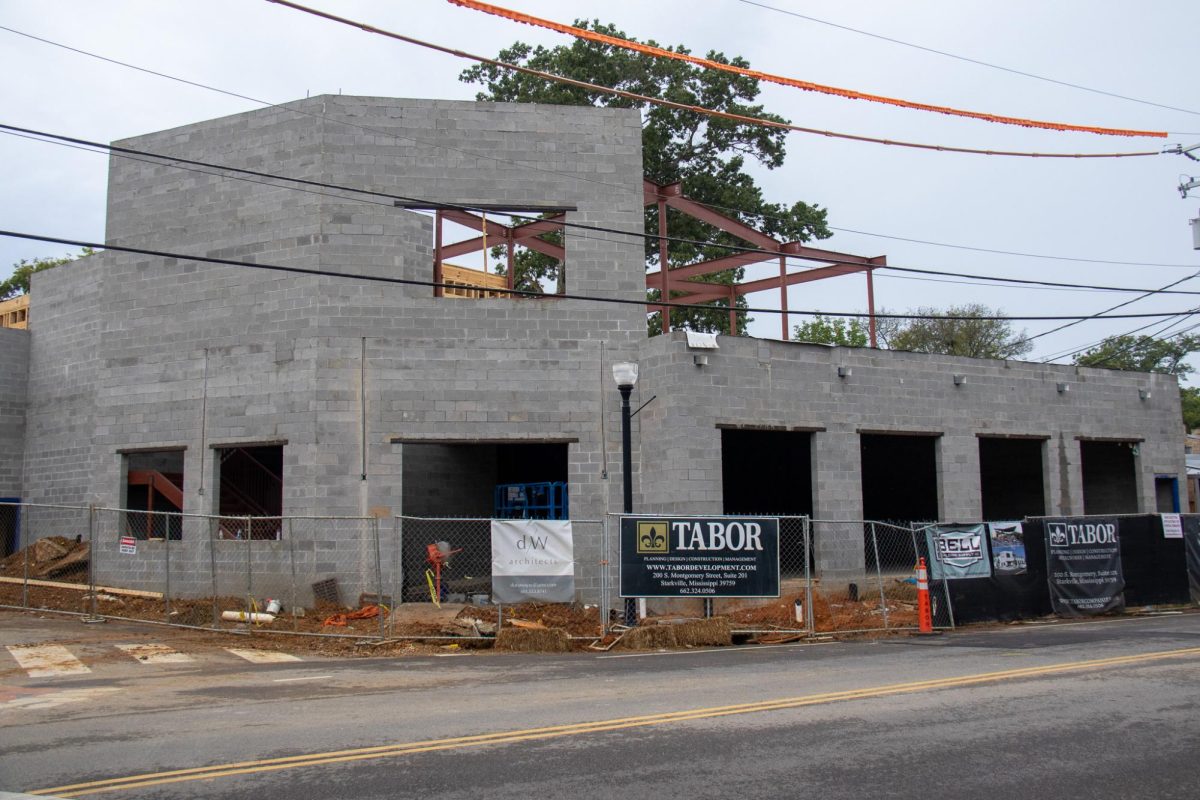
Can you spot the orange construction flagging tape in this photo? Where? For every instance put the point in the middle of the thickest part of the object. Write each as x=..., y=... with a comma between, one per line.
x=339, y=620
x=581, y=33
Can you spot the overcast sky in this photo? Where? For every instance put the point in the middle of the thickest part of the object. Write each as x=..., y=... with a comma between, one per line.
x=1125, y=210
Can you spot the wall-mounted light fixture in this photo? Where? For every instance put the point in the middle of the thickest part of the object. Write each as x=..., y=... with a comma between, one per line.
x=1063, y=388
x=959, y=380
x=844, y=372
x=1144, y=394
x=700, y=360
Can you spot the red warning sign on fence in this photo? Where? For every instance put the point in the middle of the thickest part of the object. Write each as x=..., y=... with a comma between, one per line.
x=128, y=546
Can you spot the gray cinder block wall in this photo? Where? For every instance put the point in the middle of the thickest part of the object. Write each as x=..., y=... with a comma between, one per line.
x=131, y=353
x=14, y=378
x=199, y=356
x=773, y=385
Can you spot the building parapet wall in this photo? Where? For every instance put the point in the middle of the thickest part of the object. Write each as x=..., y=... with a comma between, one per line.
x=14, y=379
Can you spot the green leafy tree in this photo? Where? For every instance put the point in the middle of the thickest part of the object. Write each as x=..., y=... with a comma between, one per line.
x=707, y=154
x=1149, y=354
x=851, y=332
x=955, y=331
x=18, y=282
x=1143, y=354
x=1189, y=399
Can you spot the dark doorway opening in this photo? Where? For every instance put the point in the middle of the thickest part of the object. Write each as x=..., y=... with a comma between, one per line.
x=1011, y=482
x=899, y=486
x=1109, y=477
x=250, y=484
x=449, y=480
x=766, y=472
x=154, y=494
x=1166, y=494
x=459, y=480
x=770, y=473
x=899, y=478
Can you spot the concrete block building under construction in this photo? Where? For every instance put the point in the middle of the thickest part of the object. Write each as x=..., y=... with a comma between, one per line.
x=220, y=389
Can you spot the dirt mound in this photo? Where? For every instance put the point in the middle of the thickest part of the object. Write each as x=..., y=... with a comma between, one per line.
x=51, y=557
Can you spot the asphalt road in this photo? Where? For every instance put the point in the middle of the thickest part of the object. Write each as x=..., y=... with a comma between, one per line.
x=1100, y=709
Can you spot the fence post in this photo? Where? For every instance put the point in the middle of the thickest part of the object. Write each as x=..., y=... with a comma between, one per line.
x=397, y=587
x=92, y=555
x=213, y=527
x=809, y=554
x=292, y=553
x=949, y=605
x=379, y=578
x=25, y=579
x=249, y=574
x=167, y=564
x=879, y=574
x=604, y=577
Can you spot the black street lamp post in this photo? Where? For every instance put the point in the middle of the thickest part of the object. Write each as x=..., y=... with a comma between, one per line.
x=625, y=373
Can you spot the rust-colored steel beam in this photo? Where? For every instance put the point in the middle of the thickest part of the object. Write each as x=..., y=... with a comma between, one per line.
x=555, y=251
x=714, y=291
x=727, y=224
x=438, y=256
x=710, y=267
x=525, y=234
x=664, y=276
x=469, y=220
x=801, y=250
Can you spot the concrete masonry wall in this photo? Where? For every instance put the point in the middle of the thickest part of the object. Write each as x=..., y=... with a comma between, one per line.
x=791, y=386
x=311, y=362
x=14, y=379
x=135, y=352
x=60, y=449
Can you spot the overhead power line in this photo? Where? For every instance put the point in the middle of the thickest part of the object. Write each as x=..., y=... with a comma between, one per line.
x=537, y=168
x=1119, y=305
x=695, y=109
x=759, y=215
x=850, y=94
x=968, y=59
x=645, y=302
x=176, y=161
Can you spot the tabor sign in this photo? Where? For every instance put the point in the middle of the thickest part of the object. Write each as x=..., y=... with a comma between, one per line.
x=957, y=551
x=699, y=557
x=128, y=546
x=1083, y=564
x=532, y=559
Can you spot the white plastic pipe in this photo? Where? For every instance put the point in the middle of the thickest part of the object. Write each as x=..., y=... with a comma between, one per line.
x=242, y=616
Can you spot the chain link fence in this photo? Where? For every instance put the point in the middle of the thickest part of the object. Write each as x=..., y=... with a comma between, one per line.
x=45, y=546
x=836, y=576
x=221, y=572
x=195, y=570
x=791, y=612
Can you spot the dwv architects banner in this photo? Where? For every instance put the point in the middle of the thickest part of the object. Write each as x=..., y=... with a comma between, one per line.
x=1083, y=562
x=532, y=559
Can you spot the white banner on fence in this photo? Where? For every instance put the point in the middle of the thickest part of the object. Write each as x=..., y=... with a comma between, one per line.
x=532, y=559
x=1172, y=525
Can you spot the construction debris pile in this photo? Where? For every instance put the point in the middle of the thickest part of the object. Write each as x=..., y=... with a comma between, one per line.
x=53, y=557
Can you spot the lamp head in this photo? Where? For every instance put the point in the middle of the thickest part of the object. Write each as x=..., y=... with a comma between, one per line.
x=625, y=373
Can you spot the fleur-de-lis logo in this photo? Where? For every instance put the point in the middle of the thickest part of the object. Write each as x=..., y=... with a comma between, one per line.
x=652, y=537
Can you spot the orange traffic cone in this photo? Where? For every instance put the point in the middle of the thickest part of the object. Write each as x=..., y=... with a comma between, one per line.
x=924, y=609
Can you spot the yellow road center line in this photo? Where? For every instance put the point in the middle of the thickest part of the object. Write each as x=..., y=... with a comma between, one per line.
x=598, y=726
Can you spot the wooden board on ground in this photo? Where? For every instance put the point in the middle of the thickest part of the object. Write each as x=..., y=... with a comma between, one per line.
x=83, y=587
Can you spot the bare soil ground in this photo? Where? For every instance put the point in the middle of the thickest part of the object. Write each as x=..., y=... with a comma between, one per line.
x=411, y=627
